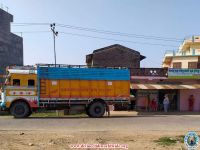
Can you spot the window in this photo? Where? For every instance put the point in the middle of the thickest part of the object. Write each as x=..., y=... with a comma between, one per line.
x=16, y=82
x=177, y=65
x=31, y=82
x=192, y=65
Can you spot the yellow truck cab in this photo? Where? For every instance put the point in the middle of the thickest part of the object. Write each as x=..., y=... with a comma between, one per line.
x=20, y=87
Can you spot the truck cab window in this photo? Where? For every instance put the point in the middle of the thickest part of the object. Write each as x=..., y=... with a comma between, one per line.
x=31, y=82
x=16, y=82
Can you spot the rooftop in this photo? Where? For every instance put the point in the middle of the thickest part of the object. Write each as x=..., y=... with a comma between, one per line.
x=118, y=46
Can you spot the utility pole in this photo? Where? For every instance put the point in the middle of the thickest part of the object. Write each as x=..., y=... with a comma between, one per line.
x=55, y=33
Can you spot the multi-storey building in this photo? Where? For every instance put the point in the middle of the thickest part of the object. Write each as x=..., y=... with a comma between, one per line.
x=184, y=68
x=188, y=55
x=11, y=45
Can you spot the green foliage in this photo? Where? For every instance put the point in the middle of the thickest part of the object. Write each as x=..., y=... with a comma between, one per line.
x=166, y=141
x=180, y=138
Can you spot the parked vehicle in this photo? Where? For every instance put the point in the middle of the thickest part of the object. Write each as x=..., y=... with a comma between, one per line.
x=28, y=89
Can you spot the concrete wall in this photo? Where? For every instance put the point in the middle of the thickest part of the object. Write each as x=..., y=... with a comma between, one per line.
x=142, y=101
x=11, y=45
x=184, y=60
x=184, y=95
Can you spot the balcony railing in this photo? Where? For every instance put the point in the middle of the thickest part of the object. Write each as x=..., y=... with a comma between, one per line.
x=171, y=53
x=149, y=72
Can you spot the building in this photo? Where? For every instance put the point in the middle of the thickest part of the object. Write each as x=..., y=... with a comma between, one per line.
x=178, y=91
x=179, y=79
x=115, y=56
x=188, y=55
x=11, y=45
x=184, y=73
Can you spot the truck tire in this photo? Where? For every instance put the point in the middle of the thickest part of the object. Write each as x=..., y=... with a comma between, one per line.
x=87, y=111
x=96, y=110
x=29, y=113
x=20, y=110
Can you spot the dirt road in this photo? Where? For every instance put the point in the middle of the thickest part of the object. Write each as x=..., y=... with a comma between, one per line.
x=138, y=132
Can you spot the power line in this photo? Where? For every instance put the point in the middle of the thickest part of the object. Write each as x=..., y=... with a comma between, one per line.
x=31, y=32
x=111, y=39
x=95, y=37
x=105, y=32
x=120, y=33
x=29, y=24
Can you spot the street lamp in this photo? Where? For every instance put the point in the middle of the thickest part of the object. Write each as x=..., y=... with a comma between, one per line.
x=55, y=33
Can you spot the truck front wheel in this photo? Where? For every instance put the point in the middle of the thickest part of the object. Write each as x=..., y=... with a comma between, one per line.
x=96, y=110
x=20, y=110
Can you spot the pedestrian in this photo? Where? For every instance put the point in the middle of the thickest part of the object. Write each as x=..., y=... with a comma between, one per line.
x=166, y=103
x=191, y=102
x=153, y=105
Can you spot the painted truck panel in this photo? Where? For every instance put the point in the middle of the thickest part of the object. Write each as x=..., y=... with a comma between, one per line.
x=84, y=89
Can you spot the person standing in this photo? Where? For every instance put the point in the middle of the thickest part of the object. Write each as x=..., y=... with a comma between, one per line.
x=153, y=105
x=166, y=103
x=191, y=102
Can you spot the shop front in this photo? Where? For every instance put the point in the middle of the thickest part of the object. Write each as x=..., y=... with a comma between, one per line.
x=152, y=100
x=149, y=97
x=185, y=104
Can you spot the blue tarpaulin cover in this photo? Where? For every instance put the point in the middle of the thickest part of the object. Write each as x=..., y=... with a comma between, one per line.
x=57, y=73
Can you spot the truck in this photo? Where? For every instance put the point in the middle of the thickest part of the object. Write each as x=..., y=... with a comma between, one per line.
x=59, y=87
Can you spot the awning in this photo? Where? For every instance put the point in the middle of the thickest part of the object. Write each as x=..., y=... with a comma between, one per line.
x=164, y=86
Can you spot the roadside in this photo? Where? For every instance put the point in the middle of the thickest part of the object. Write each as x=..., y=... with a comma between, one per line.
x=34, y=140
x=148, y=131
x=112, y=114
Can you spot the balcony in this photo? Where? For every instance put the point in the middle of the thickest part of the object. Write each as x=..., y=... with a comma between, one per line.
x=171, y=53
x=189, y=42
x=154, y=73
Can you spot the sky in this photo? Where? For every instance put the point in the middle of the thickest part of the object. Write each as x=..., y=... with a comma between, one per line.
x=148, y=26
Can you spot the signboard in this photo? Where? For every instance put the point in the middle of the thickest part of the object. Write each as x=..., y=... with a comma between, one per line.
x=184, y=73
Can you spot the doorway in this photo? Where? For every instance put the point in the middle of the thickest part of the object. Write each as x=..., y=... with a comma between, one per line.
x=173, y=99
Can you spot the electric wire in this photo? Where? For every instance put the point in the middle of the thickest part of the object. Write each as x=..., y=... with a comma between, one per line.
x=104, y=32
x=111, y=39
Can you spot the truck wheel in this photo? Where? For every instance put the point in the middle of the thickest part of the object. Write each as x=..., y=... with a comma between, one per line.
x=20, y=110
x=87, y=111
x=96, y=110
x=29, y=113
